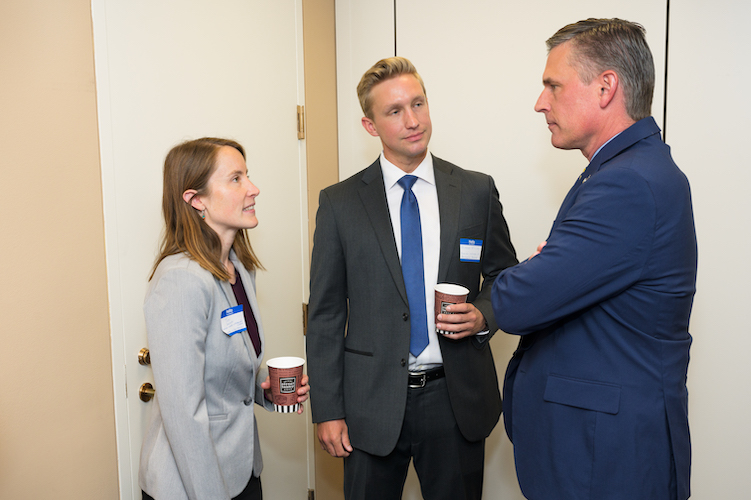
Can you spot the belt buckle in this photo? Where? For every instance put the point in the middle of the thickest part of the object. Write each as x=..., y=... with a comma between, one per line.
x=423, y=380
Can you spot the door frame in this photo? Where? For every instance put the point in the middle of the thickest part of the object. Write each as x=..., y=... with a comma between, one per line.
x=117, y=338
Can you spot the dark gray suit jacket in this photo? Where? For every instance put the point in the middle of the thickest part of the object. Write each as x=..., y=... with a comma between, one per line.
x=358, y=317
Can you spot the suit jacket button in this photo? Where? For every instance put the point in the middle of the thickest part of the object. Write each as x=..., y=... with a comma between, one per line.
x=248, y=402
x=405, y=317
x=404, y=362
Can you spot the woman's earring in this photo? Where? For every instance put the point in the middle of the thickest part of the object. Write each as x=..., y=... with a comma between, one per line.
x=203, y=214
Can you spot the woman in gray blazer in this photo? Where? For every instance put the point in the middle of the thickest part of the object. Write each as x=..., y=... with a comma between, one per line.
x=205, y=337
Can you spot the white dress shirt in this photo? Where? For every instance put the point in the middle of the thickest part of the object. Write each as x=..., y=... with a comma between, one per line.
x=430, y=224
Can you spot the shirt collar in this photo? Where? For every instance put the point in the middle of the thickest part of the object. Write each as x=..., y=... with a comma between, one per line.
x=392, y=173
x=604, y=144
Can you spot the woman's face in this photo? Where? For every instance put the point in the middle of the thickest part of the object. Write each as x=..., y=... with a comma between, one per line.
x=231, y=197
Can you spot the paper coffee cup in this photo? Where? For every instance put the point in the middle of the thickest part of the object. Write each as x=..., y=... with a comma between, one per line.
x=447, y=294
x=285, y=374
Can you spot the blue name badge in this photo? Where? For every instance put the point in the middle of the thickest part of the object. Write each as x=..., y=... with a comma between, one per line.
x=470, y=250
x=233, y=320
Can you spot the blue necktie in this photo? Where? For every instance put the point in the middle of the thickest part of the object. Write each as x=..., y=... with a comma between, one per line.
x=412, y=267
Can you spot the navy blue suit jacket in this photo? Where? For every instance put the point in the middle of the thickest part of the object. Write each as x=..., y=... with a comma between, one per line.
x=595, y=396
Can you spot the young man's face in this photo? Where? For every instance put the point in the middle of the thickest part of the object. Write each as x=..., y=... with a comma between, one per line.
x=401, y=119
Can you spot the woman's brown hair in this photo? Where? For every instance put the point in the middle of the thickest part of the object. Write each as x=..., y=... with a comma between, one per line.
x=189, y=166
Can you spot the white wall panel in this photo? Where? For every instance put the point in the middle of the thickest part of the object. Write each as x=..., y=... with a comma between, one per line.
x=364, y=35
x=707, y=111
x=482, y=62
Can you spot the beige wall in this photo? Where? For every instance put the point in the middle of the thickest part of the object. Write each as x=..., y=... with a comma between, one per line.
x=320, y=100
x=57, y=429
x=323, y=166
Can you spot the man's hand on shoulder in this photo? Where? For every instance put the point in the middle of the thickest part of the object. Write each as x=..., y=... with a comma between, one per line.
x=334, y=438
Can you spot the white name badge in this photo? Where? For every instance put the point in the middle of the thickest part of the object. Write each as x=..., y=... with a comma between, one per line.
x=233, y=320
x=470, y=250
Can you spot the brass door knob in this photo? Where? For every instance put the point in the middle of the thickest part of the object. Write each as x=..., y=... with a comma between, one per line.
x=146, y=392
x=144, y=358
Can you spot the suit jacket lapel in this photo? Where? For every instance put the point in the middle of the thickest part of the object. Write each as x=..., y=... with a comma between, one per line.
x=230, y=295
x=449, y=189
x=373, y=196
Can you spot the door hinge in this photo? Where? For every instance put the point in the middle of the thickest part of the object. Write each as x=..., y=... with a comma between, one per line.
x=311, y=494
x=301, y=122
x=304, y=319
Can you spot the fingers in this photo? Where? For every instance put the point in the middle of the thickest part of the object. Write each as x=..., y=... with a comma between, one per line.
x=345, y=441
x=539, y=249
x=266, y=386
x=459, y=335
x=334, y=438
x=303, y=390
x=302, y=393
x=464, y=320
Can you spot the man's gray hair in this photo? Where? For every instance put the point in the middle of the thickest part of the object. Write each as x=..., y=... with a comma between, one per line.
x=613, y=44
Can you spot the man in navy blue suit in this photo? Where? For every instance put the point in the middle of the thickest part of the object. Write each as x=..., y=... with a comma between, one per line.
x=596, y=403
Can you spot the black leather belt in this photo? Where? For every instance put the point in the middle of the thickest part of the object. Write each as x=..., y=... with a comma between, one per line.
x=419, y=379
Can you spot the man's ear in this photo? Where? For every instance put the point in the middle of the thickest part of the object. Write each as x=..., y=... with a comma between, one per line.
x=609, y=84
x=194, y=201
x=369, y=126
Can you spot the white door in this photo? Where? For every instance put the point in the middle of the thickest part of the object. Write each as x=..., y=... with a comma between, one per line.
x=174, y=70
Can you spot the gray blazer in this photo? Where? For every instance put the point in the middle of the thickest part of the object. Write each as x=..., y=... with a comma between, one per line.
x=358, y=317
x=201, y=441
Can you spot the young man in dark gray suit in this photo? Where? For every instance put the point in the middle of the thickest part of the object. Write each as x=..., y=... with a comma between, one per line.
x=385, y=387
